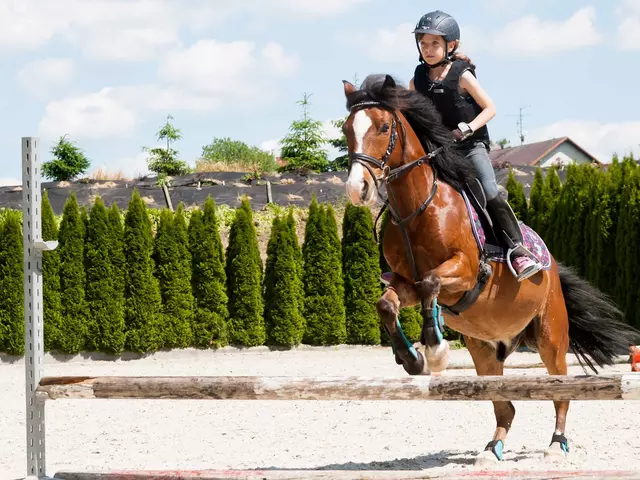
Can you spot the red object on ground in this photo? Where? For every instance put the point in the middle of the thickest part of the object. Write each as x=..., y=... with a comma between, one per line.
x=635, y=358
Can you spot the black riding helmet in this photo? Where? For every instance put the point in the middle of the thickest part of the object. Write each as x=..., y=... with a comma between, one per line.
x=438, y=23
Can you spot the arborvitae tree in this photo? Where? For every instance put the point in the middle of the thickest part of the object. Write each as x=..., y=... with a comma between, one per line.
x=73, y=330
x=361, y=272
x=244, y=281
x=293, y=239
x=554, y=189
x=590, y=227
x=517, y=198
x=11, y=285
x=208, y=279
x=52, y=307
x=409, y=317
x=116, y=252
x=324, y=290
x=142, y=294
x=105, y=308
x=536, y=202
x=283, y=319
x=337, y=312
x=627, y=252
x=173, y=270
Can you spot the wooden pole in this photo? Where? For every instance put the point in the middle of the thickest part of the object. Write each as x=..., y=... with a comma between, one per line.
x=543, y=387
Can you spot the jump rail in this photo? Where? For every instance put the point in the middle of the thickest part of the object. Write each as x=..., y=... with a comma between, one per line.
x=509, y=387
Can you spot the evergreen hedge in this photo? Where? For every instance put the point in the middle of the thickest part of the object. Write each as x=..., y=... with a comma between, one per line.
x=324, y=289
x=143, y=303
x=105, y=306
x=107, y=274
x=361, y=271
x=71, y=238
x=51, y=296
x=282, y=313
x=244, y=281
x=173, y=270
x=208, y=279
x=11, y=285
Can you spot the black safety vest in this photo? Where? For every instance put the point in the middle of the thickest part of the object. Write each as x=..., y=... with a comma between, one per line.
x=445, y=95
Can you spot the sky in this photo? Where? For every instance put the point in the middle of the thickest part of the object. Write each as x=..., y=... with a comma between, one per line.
x=106, y=73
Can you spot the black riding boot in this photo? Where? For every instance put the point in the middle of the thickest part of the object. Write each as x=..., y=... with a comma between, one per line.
x=506, y=224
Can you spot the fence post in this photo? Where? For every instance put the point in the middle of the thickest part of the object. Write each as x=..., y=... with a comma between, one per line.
x=33, y=247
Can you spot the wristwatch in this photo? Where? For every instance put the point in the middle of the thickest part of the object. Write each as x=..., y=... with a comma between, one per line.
x=465, y=129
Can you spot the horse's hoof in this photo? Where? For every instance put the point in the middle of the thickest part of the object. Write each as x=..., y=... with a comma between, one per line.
x=486, y=459
x=415, y=367
x=438, y=357
x=555, y=453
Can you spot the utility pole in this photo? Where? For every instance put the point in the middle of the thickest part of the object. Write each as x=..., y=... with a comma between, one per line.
x=520, y=124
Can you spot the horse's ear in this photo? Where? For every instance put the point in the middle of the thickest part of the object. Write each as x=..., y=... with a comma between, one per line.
x=348, y=87
x=389, y=82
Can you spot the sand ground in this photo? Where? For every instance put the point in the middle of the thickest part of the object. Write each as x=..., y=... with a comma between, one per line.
x=436, y=436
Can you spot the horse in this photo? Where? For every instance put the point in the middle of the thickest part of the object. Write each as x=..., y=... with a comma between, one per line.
x=396, y=140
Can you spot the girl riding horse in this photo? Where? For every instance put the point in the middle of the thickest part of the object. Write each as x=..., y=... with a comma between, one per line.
x=448, y=79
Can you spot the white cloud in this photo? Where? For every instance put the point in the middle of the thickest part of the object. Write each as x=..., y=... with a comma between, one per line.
x=213, y=67
x=96, y=115
x=602, y=140
x=198, y=78
x=390, y=44
x=135, y=30
x=531, y=36
x=43, y=78
x=629, y=28
x=309, y=8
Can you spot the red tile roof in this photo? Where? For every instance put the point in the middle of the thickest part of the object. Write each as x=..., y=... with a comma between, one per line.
x=531, y=153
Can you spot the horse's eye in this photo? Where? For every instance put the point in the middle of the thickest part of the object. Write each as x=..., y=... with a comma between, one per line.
x=384, y=128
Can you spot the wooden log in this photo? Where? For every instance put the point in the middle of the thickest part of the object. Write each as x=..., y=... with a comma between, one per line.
x=542, y=387
x=275, y=474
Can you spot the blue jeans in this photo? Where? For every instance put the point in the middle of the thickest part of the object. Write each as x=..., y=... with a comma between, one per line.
x=478, y=154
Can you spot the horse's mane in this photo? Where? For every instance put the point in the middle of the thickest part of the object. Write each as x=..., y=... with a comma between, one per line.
x=426, y=122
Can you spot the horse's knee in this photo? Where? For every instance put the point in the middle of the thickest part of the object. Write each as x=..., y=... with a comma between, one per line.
x=386, y=308
x=429, y=287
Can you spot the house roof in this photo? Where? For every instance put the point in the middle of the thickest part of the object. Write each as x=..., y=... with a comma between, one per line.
x=531, y=153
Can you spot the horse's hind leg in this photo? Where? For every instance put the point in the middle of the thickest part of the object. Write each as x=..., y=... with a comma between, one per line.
x=553, y=344
x=486, y=363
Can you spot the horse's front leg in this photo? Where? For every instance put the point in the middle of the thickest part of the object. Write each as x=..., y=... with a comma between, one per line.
x=455, y=275
x=399, y=294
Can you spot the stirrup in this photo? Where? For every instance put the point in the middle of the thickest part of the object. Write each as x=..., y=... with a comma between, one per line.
x=528, y=272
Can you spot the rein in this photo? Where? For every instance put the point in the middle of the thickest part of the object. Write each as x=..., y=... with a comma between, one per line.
x=390, y=175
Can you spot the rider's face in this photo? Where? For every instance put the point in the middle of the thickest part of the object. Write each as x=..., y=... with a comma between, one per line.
x=432, y=48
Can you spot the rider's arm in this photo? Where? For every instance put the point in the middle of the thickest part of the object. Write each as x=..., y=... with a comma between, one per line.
x=411, y=85
x=470, y=84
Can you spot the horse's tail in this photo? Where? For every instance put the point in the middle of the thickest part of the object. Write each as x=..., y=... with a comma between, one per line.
x=596, y=326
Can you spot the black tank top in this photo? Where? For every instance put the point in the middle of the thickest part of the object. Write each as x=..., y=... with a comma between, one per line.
x=445, y=95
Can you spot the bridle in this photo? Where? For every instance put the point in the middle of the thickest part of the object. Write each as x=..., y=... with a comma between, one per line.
x=390, y=175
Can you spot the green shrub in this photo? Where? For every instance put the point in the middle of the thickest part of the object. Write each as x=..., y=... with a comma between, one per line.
x=244, y=281
x=142, y=294
x=51, y=304
x=283, y=319
x=105, y=306
x=361, y=271
x=324, y=291
x=208, y=278
x=11, y=285
x=73, y=329
x=173, y=270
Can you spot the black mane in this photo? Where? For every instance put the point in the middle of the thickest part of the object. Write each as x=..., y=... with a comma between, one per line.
x=426, y=122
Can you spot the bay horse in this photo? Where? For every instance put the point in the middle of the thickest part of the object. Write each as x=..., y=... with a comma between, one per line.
x=396, y=139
